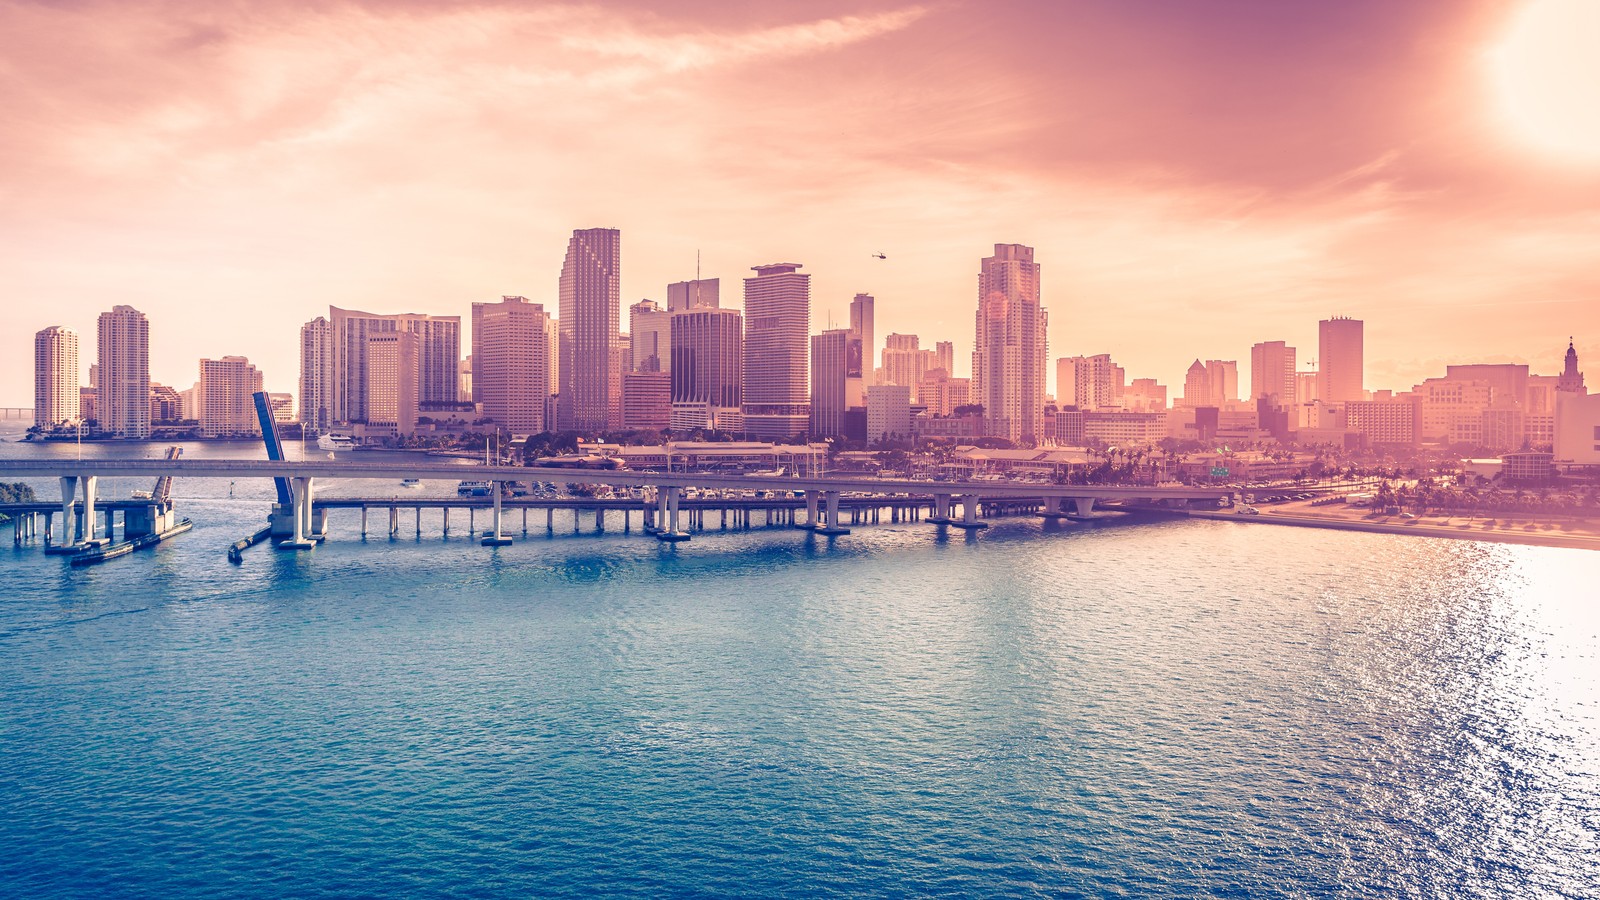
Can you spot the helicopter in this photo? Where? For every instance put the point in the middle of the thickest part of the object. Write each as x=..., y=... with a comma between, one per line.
x=879, y=255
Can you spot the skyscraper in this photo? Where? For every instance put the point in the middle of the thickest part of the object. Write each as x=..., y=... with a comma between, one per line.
x=227, y=407
x=707, y=365
x=1224, y=375
x=590, y=318
x=123, y=400
x=55, y=377
x=830, y=370
x=1197, y=386
x=316, y=375
x=393, y=380
x=777, y=309
x=701, y=293
x=438, y=357
x=944, y=356
x=1340, y=348
x=650, y=329
x=511, y=363
x=863, y=339
x=1272, y=373
x=1088, y=382
x=1008, y=358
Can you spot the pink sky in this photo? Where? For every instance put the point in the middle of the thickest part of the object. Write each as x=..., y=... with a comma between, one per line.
x=1195, y=177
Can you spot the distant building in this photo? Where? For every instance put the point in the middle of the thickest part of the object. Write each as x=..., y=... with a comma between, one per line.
x=888, y=413
x=1272, y=374
x=1341, y=355
x=316, y=375
x=438, y=359
x=56, y=397
x=941, y=394
x=123, y=400
x=864, y=346
x=1571, y=380
x=1145, y=395
x=1577, y=429
x=166, y=405
x=701, y=293
x=650, y=334
x=590, y=394
x=830, y=372
x=282, y=406
x=707, y=369
x=1008, y=358
x=777, y=309
x=392, y=381
x=647, y=401
x=1384, y=423
x=512, y=383
x=227, y=408
x=1089, y=382
x=1110, y=427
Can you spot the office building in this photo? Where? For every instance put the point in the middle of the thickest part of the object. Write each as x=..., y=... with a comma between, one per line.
x=1089, y=382
x=590, y=398
x=863, y=338
x=1272, y=373
x=438, y=359
x=830, y=371
x=707, y=368
x=511, y=365
x=646, y=401
x=888, y=413
x=650, y=336
x=393, y=381
x=702, y=293
x=56, y=398
x=1008, y=359
x=777, y=310
x=123, y=390
x=1341, y=355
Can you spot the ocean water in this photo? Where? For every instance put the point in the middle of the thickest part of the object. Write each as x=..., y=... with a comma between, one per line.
x=1183, y=709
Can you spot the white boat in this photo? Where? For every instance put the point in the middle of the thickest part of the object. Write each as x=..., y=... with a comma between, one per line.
x=474, y=488
x=411, y=483
x=332, y=441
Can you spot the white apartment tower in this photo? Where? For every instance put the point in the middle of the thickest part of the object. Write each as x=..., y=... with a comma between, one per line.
x=316, y=375
x=55, y=377
x=438, y=351
x=1008, y=359
x=511, y=363
x=123, y=399
x=227, y=408
x=590, y=316
x=777, y=310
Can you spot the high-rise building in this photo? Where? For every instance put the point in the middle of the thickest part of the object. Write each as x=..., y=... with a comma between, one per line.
x=888, y=413
x=1570, y=381
x=590, y=315
x=1272, y=373
x=511, y=361
x=55, y=377
x=646, y=400
x=393, y=380
x=1341, y=355
x=1197, y=386
x=316, y=375
x=702, y=293
x=438, y=352
x=1224, y=378
x=905, y=362
x=942, y=394
x=650, y=331
x=1008, y=358
x=944, y=356
x=707, y=365
x=862, y=336
x=123, y=398
x=1145, y=395
x=830, y=371
x=777, y=310
x=227, y=406
x=1088, y=382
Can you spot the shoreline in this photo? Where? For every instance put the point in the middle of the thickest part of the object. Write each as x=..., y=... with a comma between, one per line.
x=1419, y=528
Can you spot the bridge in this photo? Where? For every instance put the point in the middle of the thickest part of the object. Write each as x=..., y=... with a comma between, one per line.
x=15, y=414
x=296, y=520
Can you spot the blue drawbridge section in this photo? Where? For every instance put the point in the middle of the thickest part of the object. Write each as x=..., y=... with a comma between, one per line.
x=269, y=433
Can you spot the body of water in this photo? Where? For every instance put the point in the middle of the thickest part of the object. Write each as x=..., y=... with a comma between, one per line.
x=1180, y=709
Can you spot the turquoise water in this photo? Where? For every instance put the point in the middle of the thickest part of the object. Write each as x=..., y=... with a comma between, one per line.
x=1173, y=710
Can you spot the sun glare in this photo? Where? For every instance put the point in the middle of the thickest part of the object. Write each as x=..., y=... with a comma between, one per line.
x=1547, y=73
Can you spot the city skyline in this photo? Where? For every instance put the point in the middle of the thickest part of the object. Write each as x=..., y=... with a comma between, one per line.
x=1435, y=209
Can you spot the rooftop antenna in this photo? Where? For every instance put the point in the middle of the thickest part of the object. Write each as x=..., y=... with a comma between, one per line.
x=696, y=265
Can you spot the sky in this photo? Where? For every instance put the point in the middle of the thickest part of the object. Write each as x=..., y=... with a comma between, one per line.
x=1195, y=176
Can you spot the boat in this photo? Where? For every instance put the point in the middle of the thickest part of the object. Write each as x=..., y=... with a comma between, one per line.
x=414, y=483
x=332, y=441
x=474, y=488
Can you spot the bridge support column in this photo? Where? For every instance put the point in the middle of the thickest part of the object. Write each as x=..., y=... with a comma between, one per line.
x=811, y=511
x=494, y=538
x=69, y=487
x=447, y=521
x=941, y=510
x=831, y=525
x=1084, y=506
x=301, y=540
x=969, y=513
x=1055, y=508
x=670, y=531
x=88, y=482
